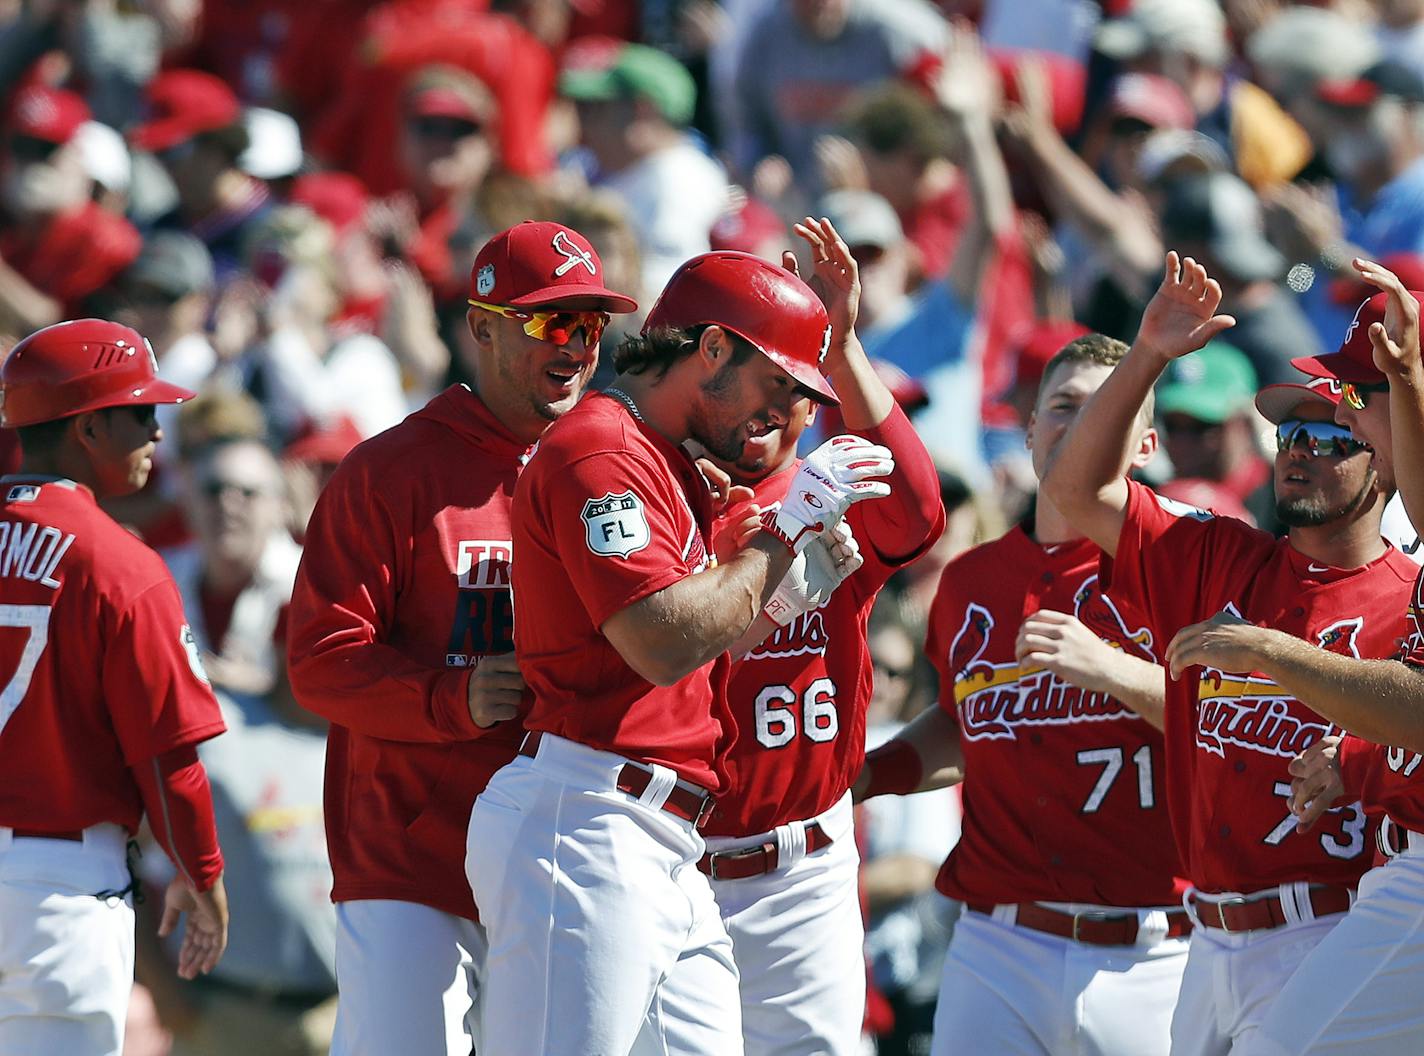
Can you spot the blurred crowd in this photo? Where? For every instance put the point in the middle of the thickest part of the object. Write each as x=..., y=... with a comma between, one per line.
x=286, y=199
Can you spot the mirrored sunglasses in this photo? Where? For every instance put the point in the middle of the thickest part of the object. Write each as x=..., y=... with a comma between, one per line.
x=1358, y=395
x=1321, y=438
x=556, y=327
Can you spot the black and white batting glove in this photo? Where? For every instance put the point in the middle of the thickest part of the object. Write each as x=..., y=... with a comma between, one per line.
x=815, y=574
x=840, y=472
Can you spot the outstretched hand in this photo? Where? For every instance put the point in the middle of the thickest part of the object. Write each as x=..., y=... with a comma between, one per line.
x=1181, y=317
x=1395, y=342
x=835, y=279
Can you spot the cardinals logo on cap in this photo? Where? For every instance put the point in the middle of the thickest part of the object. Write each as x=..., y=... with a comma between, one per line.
x=573, y=256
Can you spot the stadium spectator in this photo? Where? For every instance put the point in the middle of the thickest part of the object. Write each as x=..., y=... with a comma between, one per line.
x=634, y=104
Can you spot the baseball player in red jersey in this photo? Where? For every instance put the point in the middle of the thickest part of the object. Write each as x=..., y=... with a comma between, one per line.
x=402, y=631
x=1050, y=709
x=104, y=701
x=604, y=937
x=781, y=854
x=1262, y=893
x=1358, y=990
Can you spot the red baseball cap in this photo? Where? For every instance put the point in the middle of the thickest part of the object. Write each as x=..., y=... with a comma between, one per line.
x=1278, y=402
x=760, y=302
x=538, y=261
x=323, y=441
x=182, y=104
x=337, y=197
x=746, y=228
x=51, y=114
x=1355, y=360
x=1039, y=343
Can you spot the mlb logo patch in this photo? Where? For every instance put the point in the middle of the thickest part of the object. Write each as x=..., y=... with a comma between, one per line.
x=484, y=280
x=23, y=493
x=456, y=660
x=616, y=525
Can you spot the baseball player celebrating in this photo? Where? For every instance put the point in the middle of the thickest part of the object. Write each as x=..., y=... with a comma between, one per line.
x=1262, y=893
x=781, y=855
x=582, y=852
x=402, y=636
x=1358, y=990
x=104, y=703
x=1050, y=709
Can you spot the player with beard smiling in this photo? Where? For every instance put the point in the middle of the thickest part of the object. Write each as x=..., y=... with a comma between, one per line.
x=1262, y=893
x=782, y=858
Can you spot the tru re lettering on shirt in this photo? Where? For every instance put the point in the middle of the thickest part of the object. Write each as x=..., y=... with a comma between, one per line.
x=32, y=551
x=483, y=623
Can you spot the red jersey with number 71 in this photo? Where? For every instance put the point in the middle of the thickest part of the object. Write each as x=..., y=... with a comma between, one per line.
x=1232, y=735
x=1064, y=793
x=101, y=673
x=1387, y=778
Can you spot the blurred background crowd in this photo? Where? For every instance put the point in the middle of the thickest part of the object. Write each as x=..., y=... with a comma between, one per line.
x=285, y=197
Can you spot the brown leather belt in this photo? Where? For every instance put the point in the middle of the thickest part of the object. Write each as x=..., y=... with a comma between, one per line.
x=685, y=802
x=743, y=863
x=1262, y=914
x=1094, y=927
x=35, y=834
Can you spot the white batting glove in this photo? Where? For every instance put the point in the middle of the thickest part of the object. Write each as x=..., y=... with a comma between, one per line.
x=840, y=472
x=814, y=575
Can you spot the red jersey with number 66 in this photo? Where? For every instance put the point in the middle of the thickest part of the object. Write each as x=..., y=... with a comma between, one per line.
x=800, y=697
x=606, y=513
x=1231, y=735
x=101, y=673
x=1064, y=794
x=1387, y=778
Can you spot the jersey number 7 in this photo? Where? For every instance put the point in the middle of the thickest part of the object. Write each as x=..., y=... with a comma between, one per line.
x=35, y=619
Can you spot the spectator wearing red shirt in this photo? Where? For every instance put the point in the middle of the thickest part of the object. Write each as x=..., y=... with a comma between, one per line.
x=56, y=246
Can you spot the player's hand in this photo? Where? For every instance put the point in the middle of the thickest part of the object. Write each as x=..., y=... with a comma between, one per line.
x=1395, y=342
x=1315, y=782
x=496, y=690
x=836, y=280
x=205, y=933
x=842, y=471
x=815, y=574
x=1225, y=642
x=719, y=484
x=1181, y=317
x=1061, y=643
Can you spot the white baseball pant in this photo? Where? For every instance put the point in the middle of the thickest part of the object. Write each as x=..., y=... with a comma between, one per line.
x=1018, y=992
x=408, y=978
x=66, y=957
x=604, y=939
x=799, y=941
x=1233, y=978
x=1359, y=991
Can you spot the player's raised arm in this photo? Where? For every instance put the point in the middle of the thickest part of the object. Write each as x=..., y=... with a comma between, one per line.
x=1085, y=476
x=912, y=515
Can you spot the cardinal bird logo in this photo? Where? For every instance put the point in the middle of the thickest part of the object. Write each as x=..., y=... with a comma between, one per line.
x=1098, y=612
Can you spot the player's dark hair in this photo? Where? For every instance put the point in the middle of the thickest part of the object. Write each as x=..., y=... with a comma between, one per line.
x=1096, y=350
x=42, y=436
x=661, y=347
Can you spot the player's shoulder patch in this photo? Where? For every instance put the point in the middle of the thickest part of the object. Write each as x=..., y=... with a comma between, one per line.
x=616, y=525
x=190, y=649
x=1182, y=509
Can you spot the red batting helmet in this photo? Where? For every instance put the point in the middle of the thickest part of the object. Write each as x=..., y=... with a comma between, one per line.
x=759, y=302
x=79, y=366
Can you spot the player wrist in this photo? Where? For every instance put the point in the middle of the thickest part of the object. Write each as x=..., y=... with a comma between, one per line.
x=791, y=532
x=895, y=769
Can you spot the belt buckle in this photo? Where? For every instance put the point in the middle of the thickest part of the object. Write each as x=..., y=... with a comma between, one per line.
x=1234, y=900
x=1093, y=916
x=737, y=855
x=704, y=811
